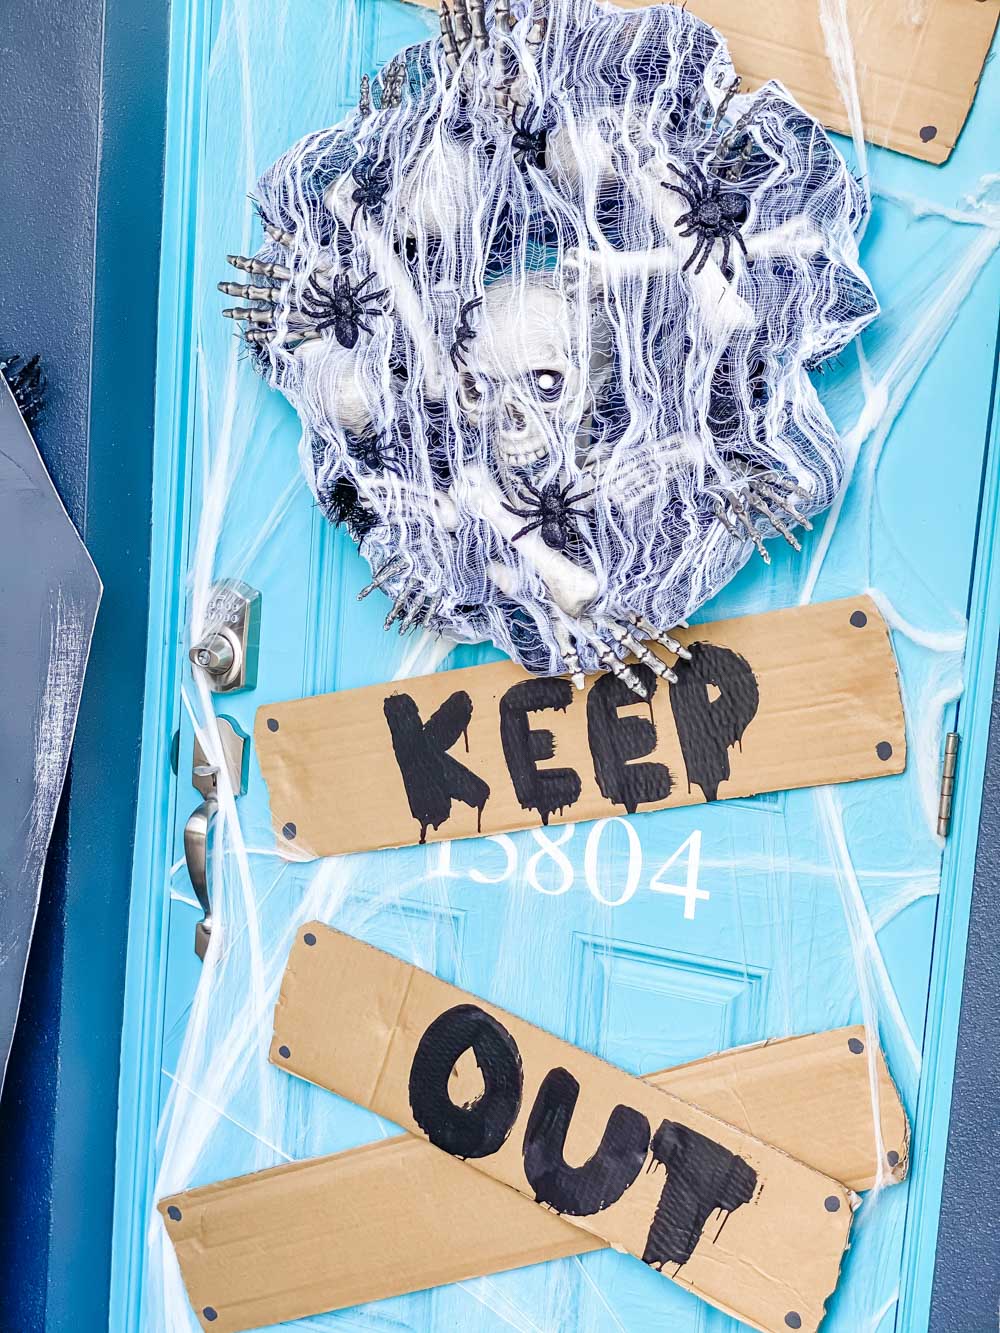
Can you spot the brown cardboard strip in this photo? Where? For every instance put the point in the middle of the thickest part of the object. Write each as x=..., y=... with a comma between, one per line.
x=751, y=1230
x=816, y=688
x=303, y=1239
x=918, y=65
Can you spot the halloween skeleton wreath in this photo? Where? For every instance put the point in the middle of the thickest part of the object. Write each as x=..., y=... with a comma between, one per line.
x=546, y=305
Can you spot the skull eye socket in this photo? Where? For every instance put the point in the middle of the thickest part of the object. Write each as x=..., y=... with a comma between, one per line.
x=472, y=390
x=548, y=384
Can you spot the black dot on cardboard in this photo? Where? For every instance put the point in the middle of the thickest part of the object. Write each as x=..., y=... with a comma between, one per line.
x=284, y=1052
x=793, y=1319
x=858, y=619
x=831, y=1203
x=883, y=750
x=289, y=831
x=309, y=937
x=892, y=1157
x=210, y=1313
x=855, y=1046
x=928, y=132
x=174, y=1213
x=272, y=724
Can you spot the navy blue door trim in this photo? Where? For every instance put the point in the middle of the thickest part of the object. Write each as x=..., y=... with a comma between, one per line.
x=83, y=132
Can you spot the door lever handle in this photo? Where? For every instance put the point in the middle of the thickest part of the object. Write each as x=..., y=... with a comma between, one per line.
x=198, y=829
x=197, y=832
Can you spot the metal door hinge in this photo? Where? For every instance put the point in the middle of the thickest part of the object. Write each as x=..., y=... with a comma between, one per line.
x=947, y=783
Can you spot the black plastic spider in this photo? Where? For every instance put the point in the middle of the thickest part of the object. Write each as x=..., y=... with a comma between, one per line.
x=373, y=180
x=465, y=333
x=714, y=214
x=27, y=384
x=528, y=144
x=373, y=452
x=343, y=308
x=550, y=509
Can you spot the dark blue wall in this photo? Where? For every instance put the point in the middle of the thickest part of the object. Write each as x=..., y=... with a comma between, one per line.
x=81, y=124
x=966, y=1294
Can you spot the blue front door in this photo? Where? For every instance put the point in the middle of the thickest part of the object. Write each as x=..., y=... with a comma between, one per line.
x=651, y=940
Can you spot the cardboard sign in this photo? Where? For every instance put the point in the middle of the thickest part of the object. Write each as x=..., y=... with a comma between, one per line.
x=321, y=1229
x=917, y=65
x=753, y=1231
x=794, y=698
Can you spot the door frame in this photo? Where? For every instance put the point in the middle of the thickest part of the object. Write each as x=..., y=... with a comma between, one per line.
x=189, y=44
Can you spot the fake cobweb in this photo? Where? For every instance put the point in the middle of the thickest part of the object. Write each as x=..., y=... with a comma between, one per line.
x=732, y=922
x=454, y=277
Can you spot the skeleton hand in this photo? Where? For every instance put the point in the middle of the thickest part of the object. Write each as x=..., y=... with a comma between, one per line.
x=762, y=492
x=607, y=638
x=464, y=37
x=414, y=604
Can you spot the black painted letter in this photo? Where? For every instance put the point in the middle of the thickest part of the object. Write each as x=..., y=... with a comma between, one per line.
x=702, y=1175
x=579, y=1191
x=706, y=728
x=544, y=790
x=614, y=740
x=479, y=1129
x=432, y=778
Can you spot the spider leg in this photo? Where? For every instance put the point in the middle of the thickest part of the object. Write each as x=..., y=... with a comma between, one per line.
x=364, y=283
x=688, y=177
x=528, y=527
x=519, y=513
x=362, y=325
x=708, y=245
x=372, y=296
x=698, y=245
x=668, y=185
x=725, y=253
x=742, y=244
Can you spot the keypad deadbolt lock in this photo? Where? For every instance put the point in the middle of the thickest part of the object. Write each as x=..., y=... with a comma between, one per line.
x=228, y=647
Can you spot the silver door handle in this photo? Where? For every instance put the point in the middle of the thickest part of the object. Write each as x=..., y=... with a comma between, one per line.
x=197, y=832
x=198, y=829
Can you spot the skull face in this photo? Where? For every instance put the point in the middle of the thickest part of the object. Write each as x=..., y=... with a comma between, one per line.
x=522, y=379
